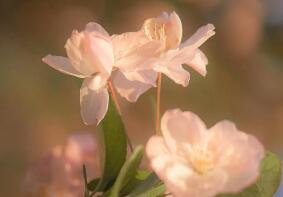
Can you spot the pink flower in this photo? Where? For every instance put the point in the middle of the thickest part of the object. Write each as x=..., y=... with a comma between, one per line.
x=59, y=173
x=167, y=59
x=132, y=51
x=90, y=56
x=194, y=161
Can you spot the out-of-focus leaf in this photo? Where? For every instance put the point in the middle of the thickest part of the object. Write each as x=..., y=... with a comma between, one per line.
x=128, y=171
x=269, y=180
x=115, y=147
x=93, y=184
x=150, y=187
x=85, y=182
x=135, y=182
x=157, y=191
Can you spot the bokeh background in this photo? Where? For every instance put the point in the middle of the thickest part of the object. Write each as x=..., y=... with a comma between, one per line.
x=39, y=107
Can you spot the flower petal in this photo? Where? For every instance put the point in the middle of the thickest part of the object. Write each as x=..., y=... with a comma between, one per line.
x=90, y=53
x=130, y=90
x=199, y=62
x=170, y=64
x=62, y=64
x=179, y=178
x=174, y=31
x=94, y=103
x=202, y=35
x=139, y=57
x=126, y=43
x=178, y=74
x=181, y=129
x=236, y=152
x=143, y=76
x=95, y=27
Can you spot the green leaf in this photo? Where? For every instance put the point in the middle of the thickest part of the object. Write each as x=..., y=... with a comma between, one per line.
x=85, y=182
x=128, y=171
x=269, y=181
x=157, y=191
x=150, y=187
x=115, y=147
x=135, y=182
x=93, y=184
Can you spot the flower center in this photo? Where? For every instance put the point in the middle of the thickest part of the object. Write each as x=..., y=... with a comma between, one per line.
x=155, y=29
x=201, y=160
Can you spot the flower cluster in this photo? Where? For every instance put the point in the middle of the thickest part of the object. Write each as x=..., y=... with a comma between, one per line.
x=190, y=159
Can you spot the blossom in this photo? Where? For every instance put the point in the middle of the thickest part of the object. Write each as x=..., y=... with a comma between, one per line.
x=166, y=29
x=59, y=173
x=91, y=57
x=132, y=51
x=194, y=161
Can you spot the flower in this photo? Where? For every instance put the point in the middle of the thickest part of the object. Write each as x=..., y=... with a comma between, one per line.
x=194, y=161
x=132, y=51
x=59, y=173
x=166, y=29
x=90, y=56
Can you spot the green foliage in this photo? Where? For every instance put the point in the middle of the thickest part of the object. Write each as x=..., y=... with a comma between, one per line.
x=268, y=182
x=115, y=147
x=150, y=187
x=128, y=172
x=85, y=182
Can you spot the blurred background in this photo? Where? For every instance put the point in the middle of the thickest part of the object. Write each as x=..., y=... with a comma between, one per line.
x=39, y=107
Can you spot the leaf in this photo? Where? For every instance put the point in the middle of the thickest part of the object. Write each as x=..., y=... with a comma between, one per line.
x=269, y=180
x=135, y=182
x=115, y=147
x=128, y=171
x=150, y=187
x=93, y=184
x=157, y=191
x=85, y=182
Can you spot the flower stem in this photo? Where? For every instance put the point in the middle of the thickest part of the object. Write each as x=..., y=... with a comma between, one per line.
x=158, y=99
x=115, y=99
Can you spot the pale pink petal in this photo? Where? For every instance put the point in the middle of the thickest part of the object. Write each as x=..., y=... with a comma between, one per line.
x=202, y=35
x=98, y=52
x=177, y=73
x=130, y=90
x=95, y=27
x=139, y=57
x=126, y=43
x=156, y=146
x=170, y=64
x=143, y=76
x=62, y=64
x=178, y=176
x=181, y=129
x=96, y=82
x=199, y=62
x=173, y=30
x=182, y=181
x=94, y=103
x=237, y=153
x=90, y=53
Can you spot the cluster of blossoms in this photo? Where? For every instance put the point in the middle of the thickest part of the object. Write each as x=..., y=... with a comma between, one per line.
x=59, y=172
x=190, y=159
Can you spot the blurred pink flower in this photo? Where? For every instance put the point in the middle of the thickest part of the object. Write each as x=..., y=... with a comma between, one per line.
x=167, y=58
x=59, y=173
x=199, y=162
x=90, y=56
